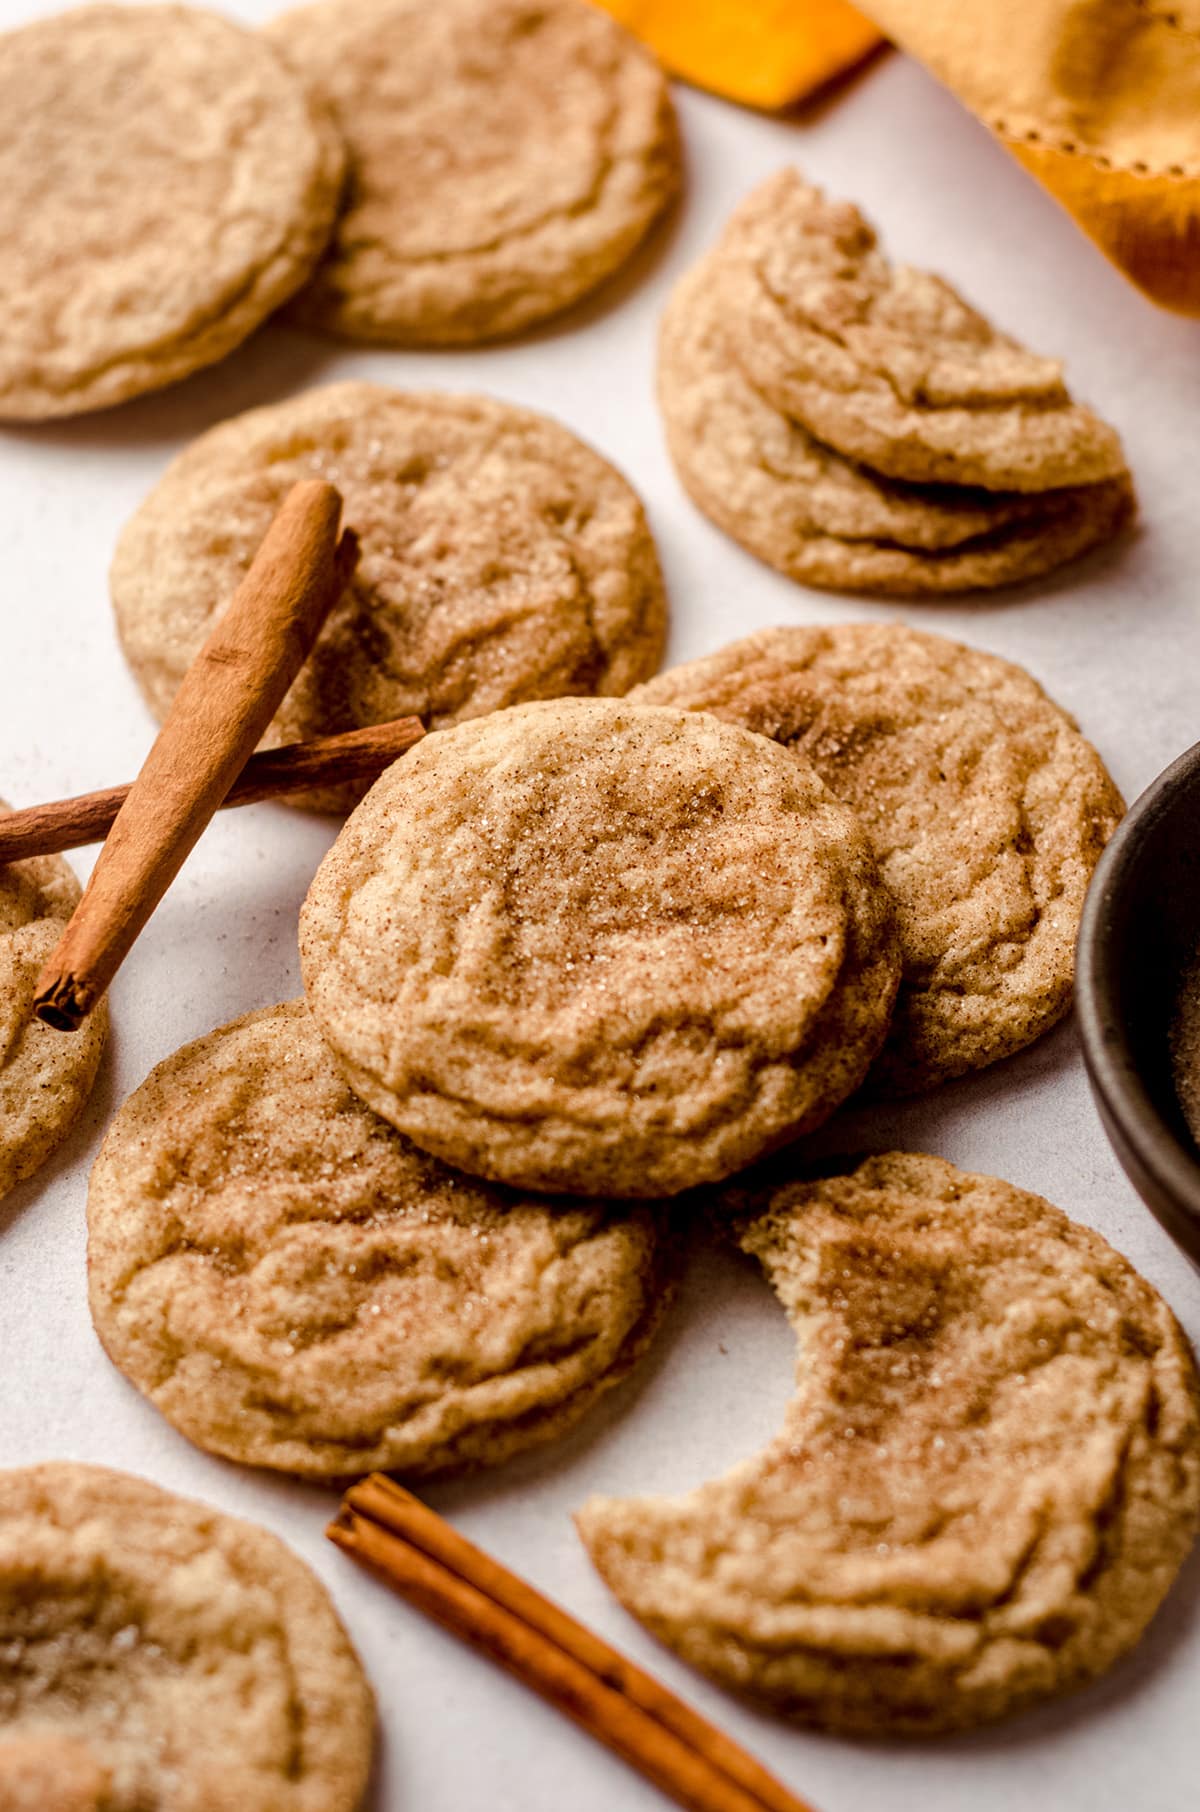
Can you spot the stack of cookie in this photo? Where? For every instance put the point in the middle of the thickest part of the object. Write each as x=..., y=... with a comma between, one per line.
x=633, y=947
x=604, y=941
x=502, y=559
x=583, y=950
x=860, y=427
x=563, y=954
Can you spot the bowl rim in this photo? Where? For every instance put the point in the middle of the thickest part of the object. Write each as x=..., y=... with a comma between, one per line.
x=1122, y=1095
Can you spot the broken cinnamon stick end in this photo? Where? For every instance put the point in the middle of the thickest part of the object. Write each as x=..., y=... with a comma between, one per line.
x=60, y=1002
x=345, y=556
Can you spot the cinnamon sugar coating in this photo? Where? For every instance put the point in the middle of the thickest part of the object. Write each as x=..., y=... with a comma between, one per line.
x=51, y=1774
x=45, y=1076
x=984, y=1486
x=585, y=946
x=986, y=808
x=506, y=156
x=792, y=501
x=294, y=1285
x=165, y=183
x=888, y=365
x=502, y=559
x=187, y=1658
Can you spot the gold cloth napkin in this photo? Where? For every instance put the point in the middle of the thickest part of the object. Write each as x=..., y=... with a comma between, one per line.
x=766, y=53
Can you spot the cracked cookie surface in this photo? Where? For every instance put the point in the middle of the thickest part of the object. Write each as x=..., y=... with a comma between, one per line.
x=583, y=946
x=502, y=559
x=817, y=516
x=45, y=1076
x=986, y=808
x=985, y=1483
x=165, y=183
x=295, y=1285
x=506, y=156
x=184, y=1659
x=888, y=365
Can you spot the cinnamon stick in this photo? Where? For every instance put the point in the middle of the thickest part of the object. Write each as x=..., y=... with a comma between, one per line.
x=354, y=757
x=436, y=1569
x=226, y=700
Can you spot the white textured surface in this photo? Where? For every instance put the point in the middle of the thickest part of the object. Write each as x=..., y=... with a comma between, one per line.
x=1118, y=641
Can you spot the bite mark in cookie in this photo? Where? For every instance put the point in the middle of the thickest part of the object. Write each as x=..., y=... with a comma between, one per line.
x=983, y=1488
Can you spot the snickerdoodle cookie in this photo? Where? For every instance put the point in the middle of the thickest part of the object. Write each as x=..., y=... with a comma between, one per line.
x=816, y=515
x=986, y=808
x=52, y=1774
x=293, y=1284
x=984, y=1485
x=506, y=156
x=586, y=946
x=888, y=365
x=502, y=559
x=175, y=1657
x=45, y=1076
x=165, y=182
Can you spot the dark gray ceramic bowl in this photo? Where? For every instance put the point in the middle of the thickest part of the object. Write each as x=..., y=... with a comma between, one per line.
x=1140, y=933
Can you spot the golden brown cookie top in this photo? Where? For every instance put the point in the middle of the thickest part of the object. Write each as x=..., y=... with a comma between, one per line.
x=293, y=1284
x=45, y=1076
x=984, y=1485
x=887, y=364
x=505, y=157
x=165, y=182
x=51, y=1774
x=193, y=1655
x=578, y=945
x=986, y=808
x=502, y=558
x=815, y=514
